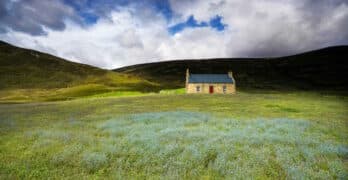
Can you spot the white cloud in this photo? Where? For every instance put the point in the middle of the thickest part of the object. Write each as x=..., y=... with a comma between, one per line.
x=133, y=35
x=273, y=27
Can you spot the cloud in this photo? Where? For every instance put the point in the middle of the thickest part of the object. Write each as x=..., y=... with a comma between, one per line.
x=111, y=42
x=119, y=33
x=31, y=16
x=274, y=28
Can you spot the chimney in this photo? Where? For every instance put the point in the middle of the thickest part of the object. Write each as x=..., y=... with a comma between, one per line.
x=230, y=74
x=187, y=75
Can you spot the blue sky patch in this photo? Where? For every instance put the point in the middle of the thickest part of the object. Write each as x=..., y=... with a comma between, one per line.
x=191, y=22
x=216, y=23
x=89, y=18
x=101, y=7
x=91, y=11
x=163, y=6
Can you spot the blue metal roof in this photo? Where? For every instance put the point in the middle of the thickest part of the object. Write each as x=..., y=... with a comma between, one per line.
x=210, y=78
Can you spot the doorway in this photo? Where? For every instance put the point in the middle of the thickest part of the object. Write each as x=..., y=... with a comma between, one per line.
x=211, y=89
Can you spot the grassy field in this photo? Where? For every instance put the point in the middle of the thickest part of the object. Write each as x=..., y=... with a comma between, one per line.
x=259, y=135
x=60, y=119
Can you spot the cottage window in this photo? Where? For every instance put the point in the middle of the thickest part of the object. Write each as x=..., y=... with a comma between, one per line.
x=198, y=88
x=224, y=89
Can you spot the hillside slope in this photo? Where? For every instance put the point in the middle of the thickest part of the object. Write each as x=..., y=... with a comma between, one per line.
x=26, y=73
x=23, y=68
x=325, y=69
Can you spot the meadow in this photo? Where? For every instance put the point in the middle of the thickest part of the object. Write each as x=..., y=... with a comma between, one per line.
x=170, y=135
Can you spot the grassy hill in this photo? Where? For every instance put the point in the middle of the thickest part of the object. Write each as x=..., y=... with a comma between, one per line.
x=325, y=69
x=28, y=74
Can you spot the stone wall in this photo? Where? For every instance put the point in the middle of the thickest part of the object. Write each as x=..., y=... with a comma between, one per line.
x=204, y=88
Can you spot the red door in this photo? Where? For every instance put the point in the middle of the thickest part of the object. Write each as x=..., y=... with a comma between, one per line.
x=211, y=89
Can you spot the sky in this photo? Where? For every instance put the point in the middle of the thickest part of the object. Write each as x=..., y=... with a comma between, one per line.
x=116, y=33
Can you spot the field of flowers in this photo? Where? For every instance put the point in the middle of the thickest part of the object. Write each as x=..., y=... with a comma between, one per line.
x=256, y=136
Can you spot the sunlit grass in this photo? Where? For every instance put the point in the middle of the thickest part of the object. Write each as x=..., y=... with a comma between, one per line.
x=74, y=92
x=81, y=91
x=173, y=91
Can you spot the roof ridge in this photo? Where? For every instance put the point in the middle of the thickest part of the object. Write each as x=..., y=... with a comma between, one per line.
x=211, y=74
x=210, y=78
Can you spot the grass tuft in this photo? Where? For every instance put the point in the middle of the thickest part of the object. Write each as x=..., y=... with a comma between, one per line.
x=94, y=161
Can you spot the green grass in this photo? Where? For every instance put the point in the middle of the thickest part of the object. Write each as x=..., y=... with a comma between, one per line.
x=108, y=84
x=75, y=92
x=258, y=135
x=31, y=76
x=77, y=121
x=120, y=94
x=27, y=75
x=173, y=91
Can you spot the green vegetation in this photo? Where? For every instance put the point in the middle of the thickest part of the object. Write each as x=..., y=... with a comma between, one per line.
x=173, y=91
x=88, y=90
x=257, y=135
x=270, y=129
x=324, y=69
x=27, y=75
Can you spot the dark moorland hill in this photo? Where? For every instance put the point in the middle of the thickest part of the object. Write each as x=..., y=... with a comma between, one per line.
x=24, y=68
x=324, y=69
x=28, y=69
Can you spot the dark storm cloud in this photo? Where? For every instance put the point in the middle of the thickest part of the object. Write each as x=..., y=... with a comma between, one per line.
x=31, y=16
x=321, y=23
x=316, y=12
